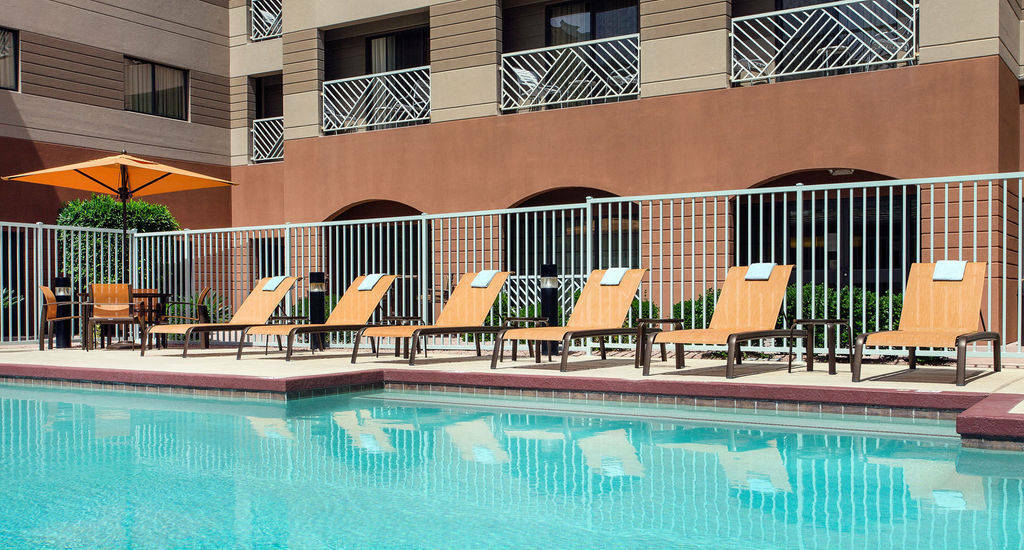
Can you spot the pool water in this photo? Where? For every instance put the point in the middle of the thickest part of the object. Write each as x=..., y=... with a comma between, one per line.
x=95, y=469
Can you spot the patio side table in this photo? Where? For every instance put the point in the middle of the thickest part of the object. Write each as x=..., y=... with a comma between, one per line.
x=830, y=338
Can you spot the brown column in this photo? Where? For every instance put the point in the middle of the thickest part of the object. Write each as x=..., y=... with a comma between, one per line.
x=465, y=52
x=684, y=46
x=303, y=73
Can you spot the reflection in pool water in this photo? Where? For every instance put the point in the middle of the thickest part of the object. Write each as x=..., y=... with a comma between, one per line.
x=98, y=469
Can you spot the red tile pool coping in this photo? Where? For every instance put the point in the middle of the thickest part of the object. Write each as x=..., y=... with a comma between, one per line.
x=980, y=417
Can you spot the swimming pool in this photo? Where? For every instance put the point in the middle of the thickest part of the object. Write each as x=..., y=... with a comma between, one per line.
x=100, y=469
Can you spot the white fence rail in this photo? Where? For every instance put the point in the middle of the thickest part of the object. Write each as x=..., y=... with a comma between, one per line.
x=571, y=74
x=847, y=35
x=31, y=255
x=379, y=100
x=265, y=19
x=267, y=139
x=851, y=244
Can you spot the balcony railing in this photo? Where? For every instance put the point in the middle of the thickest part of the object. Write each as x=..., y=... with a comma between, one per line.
x=267, y=139
x=571, y=74
x=379, y=100
x=265, y=19
x=848, y=35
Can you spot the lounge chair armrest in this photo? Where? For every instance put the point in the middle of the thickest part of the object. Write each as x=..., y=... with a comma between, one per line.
x=657, y=321
x=401, y=318
x=774, y=333
x=289, y=318
x=970, y=337
x=540, y=321
x=602, y=332
x=819, y=321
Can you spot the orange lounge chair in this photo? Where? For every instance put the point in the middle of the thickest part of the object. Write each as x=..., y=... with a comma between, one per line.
x=600, y=311
x=939, y=311
x=747, y=309
x=464, y=313
x=352, y=312
x=256, y=309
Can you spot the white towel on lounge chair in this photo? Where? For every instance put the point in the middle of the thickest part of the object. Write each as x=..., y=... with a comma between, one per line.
x=949, y=270
x=370, y=281
x=483, y=279
x=613, y=276
x=273, y=283
x=759, y=272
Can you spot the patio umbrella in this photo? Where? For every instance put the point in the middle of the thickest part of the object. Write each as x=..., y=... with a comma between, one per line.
x=124, y=176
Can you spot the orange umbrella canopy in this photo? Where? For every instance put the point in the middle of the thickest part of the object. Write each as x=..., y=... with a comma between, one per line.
x=121, y=175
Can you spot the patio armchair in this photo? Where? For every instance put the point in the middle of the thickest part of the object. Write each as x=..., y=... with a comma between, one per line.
x=48, y=316
x=599, y=312
x=747, y=309
x=463, y=313
x=256, y=309
x=941, y=309
x=351, y=313
x=109, y=305
x=196, y=311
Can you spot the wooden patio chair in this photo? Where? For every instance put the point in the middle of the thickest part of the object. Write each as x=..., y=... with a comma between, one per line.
x=464, y=313
x=351, y=313
x=109, y=305
x=939, y=311
x=256, y=309
x=48, y=316
x=600, y=312
x=747, y=309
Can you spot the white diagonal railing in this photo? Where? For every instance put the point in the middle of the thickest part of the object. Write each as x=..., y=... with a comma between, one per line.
x=265, y=19
x=267, y=139
x=826, y=37
x=574, y=73
x=377, y=100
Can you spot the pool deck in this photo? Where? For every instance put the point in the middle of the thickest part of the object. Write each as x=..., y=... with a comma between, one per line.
x=990, y=407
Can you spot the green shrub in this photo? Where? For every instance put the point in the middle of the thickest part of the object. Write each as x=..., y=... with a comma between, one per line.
x=9, y=299
x=85, y=253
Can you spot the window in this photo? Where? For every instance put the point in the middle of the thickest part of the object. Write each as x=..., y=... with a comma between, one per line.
x=8, y=59
x=397, y=51
x=269, y=94
x=155, y=89
x=576, y=21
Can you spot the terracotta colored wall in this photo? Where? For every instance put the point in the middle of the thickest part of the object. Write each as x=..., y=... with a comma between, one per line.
x=25, y=202
x=931, y=120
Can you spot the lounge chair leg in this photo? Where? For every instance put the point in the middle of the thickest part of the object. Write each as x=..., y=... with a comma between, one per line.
x=355, y=345
x=739, y=354
x=279, y=347
x=664, y=355
x=499, y=341
x=142, y=346
x=911, y=358
x=537, y=351
x=604, y=352
x=680, y=356
x=997, y=362
x=374, y=348
x=241, y=343
x=184, y=345
x=961, y=363
x=412, y=344
x=566, y=340
x=475, y=337
x=291, y=344
x=809, y=353
x=648, y=352
x=858, y=357
x=732, y=355
x=515, y=350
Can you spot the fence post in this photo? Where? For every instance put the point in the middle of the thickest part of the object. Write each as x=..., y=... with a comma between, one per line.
x=799, y=260
x=37, y=272
x=288, y=266
x=589, y=251
x=133, y=258
x=422, y=268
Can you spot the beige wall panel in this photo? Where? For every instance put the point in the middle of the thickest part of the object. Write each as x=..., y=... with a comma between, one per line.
x=256, y=58
x=684, y=85
x=1009, y=34
x=36, y=118
x=465, y=87
x=239, y=146
x=458, y=113
x=684, y=58
x=311, y=14
x=183, y=33
x=962, y=50
x=302, y=114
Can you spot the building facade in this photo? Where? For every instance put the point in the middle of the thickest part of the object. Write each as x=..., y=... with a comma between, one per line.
x=334, y=109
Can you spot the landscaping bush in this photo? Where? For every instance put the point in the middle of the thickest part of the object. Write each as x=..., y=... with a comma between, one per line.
x=84, y=253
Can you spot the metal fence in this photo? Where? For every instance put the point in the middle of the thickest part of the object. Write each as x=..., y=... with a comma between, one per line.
x=848, y=35
x=267, y=139
x=851, y=244
x=380, y=100
x=571, y=74
x=265, y=19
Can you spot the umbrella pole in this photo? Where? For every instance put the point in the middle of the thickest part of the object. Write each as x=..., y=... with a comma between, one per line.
x=124, y=193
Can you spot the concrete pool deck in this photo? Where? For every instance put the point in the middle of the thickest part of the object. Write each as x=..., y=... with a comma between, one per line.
x=989, y=407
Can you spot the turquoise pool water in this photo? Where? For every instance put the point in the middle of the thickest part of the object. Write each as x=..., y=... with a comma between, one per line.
x=407, y=470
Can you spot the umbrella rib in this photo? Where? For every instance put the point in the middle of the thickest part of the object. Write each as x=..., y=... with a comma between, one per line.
x=97, y=181
x=141, y=187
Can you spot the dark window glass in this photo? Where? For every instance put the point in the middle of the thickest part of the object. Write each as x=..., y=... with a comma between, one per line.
x=155, y=89
x=397, y=51
x=8, y=59
x=269, y=96
x=571, y=22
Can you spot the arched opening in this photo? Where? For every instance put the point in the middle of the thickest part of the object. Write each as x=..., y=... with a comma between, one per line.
x=376, y=236
x=540, y=235
x=848, y=235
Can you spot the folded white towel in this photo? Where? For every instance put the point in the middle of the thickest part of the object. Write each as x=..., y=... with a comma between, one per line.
x=613, y=276
x=949, y=270
x=273, y=283
x=370, y=281
x=483, y=279
x=760, y=272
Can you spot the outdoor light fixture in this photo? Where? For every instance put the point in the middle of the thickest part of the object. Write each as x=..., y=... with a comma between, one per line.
x=549, y=282
x=62, y=292
x=317, y=306
x=320, y=286
x=549, y=299
x=840, y=171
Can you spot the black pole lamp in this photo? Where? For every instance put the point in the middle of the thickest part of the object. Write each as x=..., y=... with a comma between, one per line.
x=62, y=293
x=317, y=306
x=549, y=299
